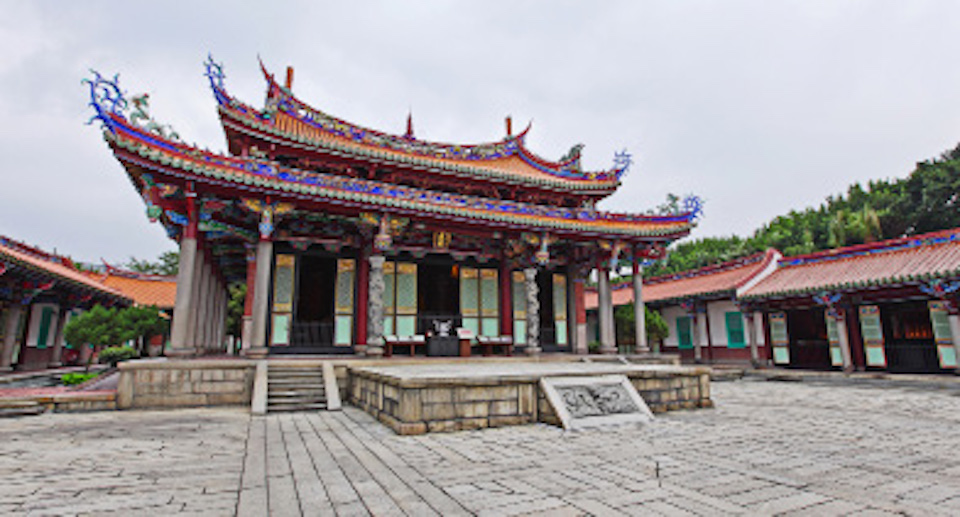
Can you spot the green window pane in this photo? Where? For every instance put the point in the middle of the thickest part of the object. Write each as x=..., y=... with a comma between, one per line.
x=281, y=329
x=472, y=324
x=345, y=281
x=559, y=297
x=469, y=295
x=684, y=332
x=489, y=288
x=43, y=334
x=519, y=332
x=836, y=357
x=876, y=356
x=561, y=328
x=406, y=325
x=406, y=288
x=344, y=330
x=948, y=356
x=735, y=334
x=490, y=327
x=781, y=355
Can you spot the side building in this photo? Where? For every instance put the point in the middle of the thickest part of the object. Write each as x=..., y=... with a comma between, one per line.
x=148, y=290
x=885, y=306
x=701, y=308
x=39, y=293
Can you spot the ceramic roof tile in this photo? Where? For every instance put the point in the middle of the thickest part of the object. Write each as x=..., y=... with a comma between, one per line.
x=718, y=278
x=151, y=290
x=935, y=255
x=48, y=265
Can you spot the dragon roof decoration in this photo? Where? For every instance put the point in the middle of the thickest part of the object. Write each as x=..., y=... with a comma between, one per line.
x=315, y=127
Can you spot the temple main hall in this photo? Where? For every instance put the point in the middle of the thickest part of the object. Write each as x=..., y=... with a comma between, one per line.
x=356, y=241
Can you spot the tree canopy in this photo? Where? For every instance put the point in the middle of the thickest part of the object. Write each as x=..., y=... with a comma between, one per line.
x=927, y=200
x=166, y=264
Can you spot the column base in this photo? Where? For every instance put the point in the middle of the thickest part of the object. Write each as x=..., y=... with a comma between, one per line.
x=178, y=353
x=374, y=348
x=6, y=368
x=608, y=350
x=532, y=350
x=256, y=353
x=54, y=365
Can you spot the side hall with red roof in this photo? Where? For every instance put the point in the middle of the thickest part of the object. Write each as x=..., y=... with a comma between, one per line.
x=39, y=293
x=889, y=305
x=701, y=309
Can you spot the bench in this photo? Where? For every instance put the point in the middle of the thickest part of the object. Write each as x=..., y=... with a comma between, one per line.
x=389, y=342
x=488, y=343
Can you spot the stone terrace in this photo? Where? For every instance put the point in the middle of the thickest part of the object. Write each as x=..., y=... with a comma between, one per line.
x=768, y=448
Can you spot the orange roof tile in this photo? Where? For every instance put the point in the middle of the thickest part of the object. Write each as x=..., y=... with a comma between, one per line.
x=160, y=291
x=52, y=265
x=914, y=259
x=718, y=278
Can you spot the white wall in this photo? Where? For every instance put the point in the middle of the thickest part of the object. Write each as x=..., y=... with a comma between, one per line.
x=717, y=312
x=670, y=315
x=36, y=314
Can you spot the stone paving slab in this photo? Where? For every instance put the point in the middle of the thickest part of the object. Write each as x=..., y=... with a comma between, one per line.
x=767, y=449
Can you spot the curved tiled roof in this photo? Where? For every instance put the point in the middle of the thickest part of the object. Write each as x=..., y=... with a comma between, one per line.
x=54, y=267
x=159, y=291
x=712, y=280
x=898, y=261
x=293, y=122
x=148, y=150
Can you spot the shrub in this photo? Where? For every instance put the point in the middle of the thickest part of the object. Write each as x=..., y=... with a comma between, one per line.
x=72, y=379
x=594, y=347
x=115, y=354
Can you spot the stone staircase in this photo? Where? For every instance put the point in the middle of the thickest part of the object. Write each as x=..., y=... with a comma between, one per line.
x=12, y=408
x=295, y=388
x=282, y=386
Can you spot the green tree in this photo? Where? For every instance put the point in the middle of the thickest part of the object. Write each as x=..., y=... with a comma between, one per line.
x=238, y=295
x=142, y=323
x=98, y=327
x=166, y=264
x=625, y=323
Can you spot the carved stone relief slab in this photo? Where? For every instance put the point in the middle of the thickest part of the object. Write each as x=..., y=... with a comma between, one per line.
x=583, y=402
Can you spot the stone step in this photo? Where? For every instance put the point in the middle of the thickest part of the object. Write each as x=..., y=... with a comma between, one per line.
x=297, y=380
x=319, y=395
x=297, y=407
x=13, y=408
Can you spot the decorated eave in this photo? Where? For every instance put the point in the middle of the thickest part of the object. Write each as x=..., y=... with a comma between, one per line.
x=288, y=122
x=922, y=265
x=717, y=281
x=714, y=282
x=158, y=163
x=27, y=273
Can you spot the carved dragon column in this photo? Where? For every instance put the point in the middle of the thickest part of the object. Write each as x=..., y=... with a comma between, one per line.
x=533, y=311
x=375, y=307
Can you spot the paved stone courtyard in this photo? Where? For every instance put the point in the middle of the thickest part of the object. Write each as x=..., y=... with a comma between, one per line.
x=768, y=448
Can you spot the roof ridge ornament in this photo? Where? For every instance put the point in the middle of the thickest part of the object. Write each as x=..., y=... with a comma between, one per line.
x=621, y=162
x=106, y=98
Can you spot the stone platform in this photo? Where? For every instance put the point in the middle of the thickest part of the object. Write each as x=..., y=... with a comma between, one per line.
x=423, y=398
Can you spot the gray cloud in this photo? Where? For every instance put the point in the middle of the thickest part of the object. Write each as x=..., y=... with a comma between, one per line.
x=760, y=107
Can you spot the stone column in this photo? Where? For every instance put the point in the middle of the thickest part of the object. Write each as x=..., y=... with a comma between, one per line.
x=10, y=324
x=752, y=339
x=57, y=355
x=202, y=329
x=639, y=314
x=532, y=291
x=185, y=307
x=247, y=325
x=375, y=307
x=697, y=337
x=843, y=335
x=261, y=298
x=608, y=339
x=197, y=295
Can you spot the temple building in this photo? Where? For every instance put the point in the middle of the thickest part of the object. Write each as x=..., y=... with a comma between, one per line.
x=39, y=293
x=889, y=306
x=702, y=310
x=349, y=238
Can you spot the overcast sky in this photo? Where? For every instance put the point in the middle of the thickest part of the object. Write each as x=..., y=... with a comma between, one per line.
x=759, y=107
